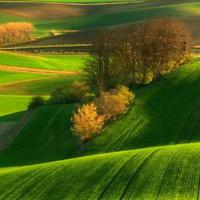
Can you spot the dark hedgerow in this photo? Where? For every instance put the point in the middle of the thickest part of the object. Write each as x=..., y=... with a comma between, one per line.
x=36, y=102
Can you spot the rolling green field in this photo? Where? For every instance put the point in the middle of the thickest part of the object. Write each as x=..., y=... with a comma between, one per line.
x=152, y=152
x=156, y=173
x=127, y=174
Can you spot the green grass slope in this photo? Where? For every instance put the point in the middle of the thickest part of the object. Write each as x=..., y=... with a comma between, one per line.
x=147, y=174
x=45, y=137
x=165, y=112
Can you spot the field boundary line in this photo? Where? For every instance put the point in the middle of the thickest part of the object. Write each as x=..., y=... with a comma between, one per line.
x=37, y=70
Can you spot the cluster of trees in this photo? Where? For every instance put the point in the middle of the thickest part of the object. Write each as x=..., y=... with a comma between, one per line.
x=12, y=33
x=90, y=118
x=93, y=111
x=77, y=92
x=138, y=54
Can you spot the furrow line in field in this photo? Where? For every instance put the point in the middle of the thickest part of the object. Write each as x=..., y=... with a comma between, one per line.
x=136, y=172
x=36, y=185
x=116, y=174
x=165, y=173
x=20, y=183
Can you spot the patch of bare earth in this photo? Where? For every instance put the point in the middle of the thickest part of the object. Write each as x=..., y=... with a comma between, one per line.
x=43, y=11
x=36, y=71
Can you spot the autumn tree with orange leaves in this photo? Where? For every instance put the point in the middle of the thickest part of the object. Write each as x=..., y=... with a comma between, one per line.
x=87, y=122
x=12, y=33
x=114, y=102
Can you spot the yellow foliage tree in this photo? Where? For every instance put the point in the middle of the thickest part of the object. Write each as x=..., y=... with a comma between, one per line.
x=17, y=32
x=114, y=102
x=87, y=122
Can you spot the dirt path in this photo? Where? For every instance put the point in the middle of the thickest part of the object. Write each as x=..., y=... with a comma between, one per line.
x=36, y=71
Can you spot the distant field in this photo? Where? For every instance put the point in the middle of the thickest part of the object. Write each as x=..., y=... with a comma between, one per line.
x=38, y=87
x=78, y=1
x=77, y=17
x=12, y=104
x=13, y=77
x=55, y=62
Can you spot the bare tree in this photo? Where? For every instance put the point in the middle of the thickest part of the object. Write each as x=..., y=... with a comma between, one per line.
x=138, y=54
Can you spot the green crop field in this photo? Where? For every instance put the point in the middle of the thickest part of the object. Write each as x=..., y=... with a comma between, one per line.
x=53, y=62
x=13, y=103
x=128, y=174
x=155, y=173
x=38, y=87
x=151, y=152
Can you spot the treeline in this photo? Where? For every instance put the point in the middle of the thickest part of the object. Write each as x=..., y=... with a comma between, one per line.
x=12, y=33
x=138, y=54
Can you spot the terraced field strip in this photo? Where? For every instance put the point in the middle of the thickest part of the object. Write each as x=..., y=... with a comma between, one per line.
x=36, y=71
x=161, y=173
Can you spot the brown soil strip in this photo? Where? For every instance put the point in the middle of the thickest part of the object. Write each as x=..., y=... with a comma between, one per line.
x=36, y=71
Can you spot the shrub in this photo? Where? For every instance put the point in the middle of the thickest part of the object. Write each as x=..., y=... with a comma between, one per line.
x=77, y=93
x=87, y=122
x=114, y=102
x=36, y=102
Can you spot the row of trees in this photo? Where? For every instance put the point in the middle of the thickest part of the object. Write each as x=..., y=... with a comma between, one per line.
x=138, y=54
x=12, y=33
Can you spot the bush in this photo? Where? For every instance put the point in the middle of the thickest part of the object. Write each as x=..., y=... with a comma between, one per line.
x=77, y=93
x=87, y=122
x=114, y=102
x=36, y=102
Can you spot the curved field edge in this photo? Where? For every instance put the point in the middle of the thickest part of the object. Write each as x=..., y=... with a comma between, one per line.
x=133, y=174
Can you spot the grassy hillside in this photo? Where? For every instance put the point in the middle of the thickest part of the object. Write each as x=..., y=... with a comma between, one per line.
x=45, y=137
x=155, y=173
x=165, y=112
x=174, y=97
